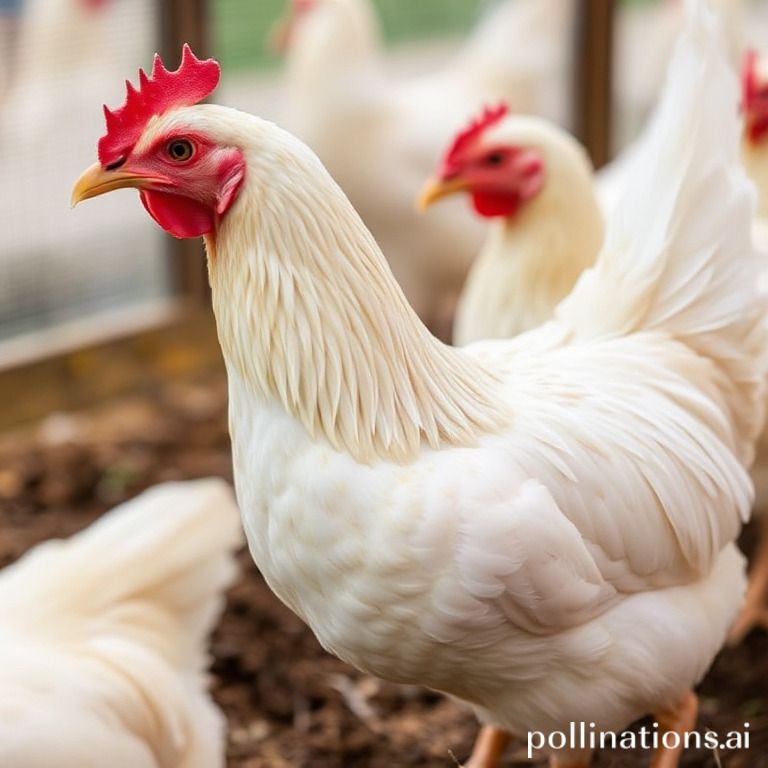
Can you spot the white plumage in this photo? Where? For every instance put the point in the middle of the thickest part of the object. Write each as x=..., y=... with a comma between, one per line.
x=103, y=638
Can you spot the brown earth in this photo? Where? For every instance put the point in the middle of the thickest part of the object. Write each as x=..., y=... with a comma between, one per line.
x=289, y=703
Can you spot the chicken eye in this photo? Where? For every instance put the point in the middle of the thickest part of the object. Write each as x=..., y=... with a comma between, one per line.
x=494, y=158
x=180, y=150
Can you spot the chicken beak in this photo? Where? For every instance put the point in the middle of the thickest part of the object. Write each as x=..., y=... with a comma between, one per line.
x=96, y=181
x=436, y=189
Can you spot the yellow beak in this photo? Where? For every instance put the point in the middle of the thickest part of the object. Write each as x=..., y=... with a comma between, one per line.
x=96, y=181
x=436, y=189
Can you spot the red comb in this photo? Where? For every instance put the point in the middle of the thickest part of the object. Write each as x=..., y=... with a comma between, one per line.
x=465, y=138
x=161, y=91
x=754, y=99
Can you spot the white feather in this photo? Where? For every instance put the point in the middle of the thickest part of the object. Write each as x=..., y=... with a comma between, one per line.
x=103, y=636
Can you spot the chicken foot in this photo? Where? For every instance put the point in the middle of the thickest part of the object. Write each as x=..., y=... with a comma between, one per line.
x=489, y=746
x=755, y=610
x=680, y=718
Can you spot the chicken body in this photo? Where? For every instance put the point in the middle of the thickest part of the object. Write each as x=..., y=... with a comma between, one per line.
x=507, y=573
x=542, y=527
x=355, y=115
x=103, y=637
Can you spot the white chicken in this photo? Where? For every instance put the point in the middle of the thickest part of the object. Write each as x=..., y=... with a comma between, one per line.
x=755, y=155
x=535, y=181
x=349, y=108
x=543, y=527
x=103, y=636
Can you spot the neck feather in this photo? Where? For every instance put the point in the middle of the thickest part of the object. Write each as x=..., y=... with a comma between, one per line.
x=529, y=263
x=310, y=316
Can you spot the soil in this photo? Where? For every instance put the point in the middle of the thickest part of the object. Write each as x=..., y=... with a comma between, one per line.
x=288, y=702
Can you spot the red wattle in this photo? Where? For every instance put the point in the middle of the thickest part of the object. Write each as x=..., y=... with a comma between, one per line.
x=177, y=215
x=496, y=203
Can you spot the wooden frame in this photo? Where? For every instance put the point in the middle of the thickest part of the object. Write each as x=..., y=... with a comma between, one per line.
x=92, y=373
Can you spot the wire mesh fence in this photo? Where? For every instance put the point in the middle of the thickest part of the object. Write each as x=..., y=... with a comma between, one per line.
x=61, y=59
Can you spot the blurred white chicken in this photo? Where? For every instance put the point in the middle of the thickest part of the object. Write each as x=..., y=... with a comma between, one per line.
x=379, y=135
x=103, y=637
x=543, y=527
x=535, y=181
x=755, y=155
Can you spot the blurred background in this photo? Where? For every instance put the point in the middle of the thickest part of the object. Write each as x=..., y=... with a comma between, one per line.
x=100, y=277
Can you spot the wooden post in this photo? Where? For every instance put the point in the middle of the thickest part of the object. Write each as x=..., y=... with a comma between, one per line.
x=185, y=21
x=593, y=51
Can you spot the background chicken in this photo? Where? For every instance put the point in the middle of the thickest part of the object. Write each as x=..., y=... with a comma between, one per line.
x=755, y=155
x=542, y=527
x=103, y=641
x=535, y=181
x=355, y=114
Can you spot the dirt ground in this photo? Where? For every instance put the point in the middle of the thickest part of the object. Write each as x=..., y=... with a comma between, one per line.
x=288, y=703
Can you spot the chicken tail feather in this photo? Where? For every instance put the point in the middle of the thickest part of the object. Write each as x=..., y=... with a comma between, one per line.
x=678, y=256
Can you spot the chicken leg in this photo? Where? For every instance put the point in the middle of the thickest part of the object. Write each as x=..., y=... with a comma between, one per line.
x=489, y=745
x=755, y=611
x=680, y=718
